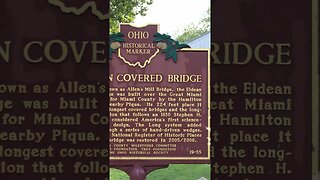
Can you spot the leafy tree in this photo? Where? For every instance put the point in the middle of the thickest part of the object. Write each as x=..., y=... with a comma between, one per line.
x=125, y=11
x=195, y=30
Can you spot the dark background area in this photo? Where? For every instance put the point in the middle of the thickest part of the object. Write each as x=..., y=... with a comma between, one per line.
x=34, y=20
x=271, y=21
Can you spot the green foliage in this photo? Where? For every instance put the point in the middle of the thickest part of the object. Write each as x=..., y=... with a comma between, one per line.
x=182, y=172
x=171, y=46
x=116, y=174
x=173, y=172
x=125, y=11
x=195, y=30
x=116, y=37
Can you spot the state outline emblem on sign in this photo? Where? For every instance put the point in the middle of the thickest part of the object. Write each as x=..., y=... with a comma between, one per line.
x=138, y=46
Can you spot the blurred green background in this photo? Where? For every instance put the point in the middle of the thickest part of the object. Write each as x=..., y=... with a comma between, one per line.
x=173, y=172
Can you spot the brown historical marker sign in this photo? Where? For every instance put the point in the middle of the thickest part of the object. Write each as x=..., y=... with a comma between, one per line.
x=158, y=98
x=53, y=90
